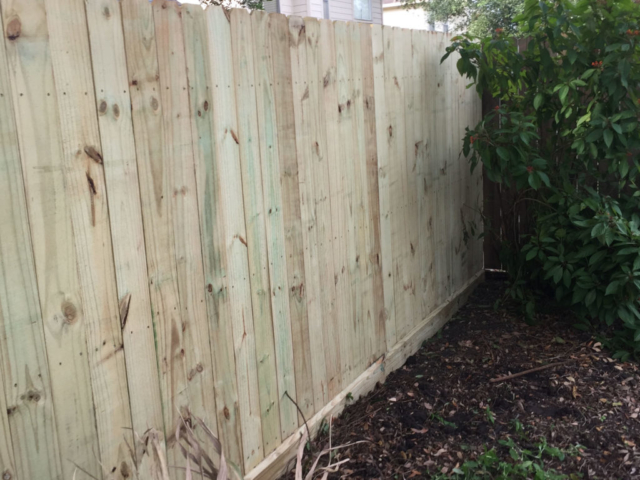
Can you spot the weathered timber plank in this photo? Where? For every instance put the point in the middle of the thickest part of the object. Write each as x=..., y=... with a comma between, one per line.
x=231, y=208
x=374, y=253
x=121, y=174
x=274, y=220
x=409, y=249
x=85, y=186
x=26, y=404
x=384, y=136
x=305, y=129
x=317, y=182
x=290, y=193
x=393, y=64
x=212, y=230
x=254, y=214
x=348, y=280
x=185, y=357
x=328, y=72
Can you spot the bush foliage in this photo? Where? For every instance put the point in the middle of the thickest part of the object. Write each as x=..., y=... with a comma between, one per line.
x=566, y=137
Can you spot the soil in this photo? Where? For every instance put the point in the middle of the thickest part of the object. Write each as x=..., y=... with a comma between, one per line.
x=440, y=409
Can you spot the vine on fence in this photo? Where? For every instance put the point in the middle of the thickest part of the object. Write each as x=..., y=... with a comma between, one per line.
x=566, y=137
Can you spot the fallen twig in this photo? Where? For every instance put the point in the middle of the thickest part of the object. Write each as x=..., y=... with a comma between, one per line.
x=302, y=415
x=531, y=370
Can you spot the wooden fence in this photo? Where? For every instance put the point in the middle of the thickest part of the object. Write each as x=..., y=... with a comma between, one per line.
x=216, y=210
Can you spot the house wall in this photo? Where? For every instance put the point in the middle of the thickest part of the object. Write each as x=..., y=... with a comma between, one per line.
x=338, y=9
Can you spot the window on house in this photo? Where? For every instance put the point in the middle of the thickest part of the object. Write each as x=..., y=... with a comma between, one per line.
x=362, y=10
x=325, y=8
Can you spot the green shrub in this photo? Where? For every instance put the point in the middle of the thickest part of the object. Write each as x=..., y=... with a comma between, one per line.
x=566, y=138
x=522, y=464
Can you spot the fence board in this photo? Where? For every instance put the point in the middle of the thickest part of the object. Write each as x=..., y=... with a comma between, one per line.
x=291, y=190
x=370, y=170
x=422, y=138
x=26, y=407
x=305, y=130
x=85, y=186
x=155, y=186
x=274, y=219
x=225, y=128
x=394, y=79
x=56, y=272
x=343, y=179
x=441, y=122
x=290, y=194
x=384, y=139
x=212, y=229
x=185, y=366
x=360, y=204
x=248, y=137
x=318, y=202
x=121, y=175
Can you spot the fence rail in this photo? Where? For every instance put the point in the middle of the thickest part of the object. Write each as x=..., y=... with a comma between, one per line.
x=214, y=210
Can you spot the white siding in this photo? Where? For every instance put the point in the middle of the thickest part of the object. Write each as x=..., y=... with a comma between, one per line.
x=271, y=6
x=299, y=7
x=338, y=9
x=316, y=9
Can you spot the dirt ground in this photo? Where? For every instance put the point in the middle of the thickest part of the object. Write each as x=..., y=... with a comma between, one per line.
x=441, y=410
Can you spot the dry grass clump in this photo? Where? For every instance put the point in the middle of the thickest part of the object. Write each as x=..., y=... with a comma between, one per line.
x=150, y=458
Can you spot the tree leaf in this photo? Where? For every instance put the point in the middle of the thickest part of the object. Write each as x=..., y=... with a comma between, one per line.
x=537, y=101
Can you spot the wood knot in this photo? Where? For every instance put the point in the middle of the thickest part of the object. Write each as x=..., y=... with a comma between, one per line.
x=92, y=185
x=205, y=105
x=102, y=109
x=199, y=368
x=93, y=154
x=125, y=303
x=209, y=288
x=32, y=396
x=125, y=471
x=14, y=28
x=227, y=415
x=391, y=130
x=116, y=110
x=69, y=312
x=6, y=475
x=154, y=103
x=11, y=410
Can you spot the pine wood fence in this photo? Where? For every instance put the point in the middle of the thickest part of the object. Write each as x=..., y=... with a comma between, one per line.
x=216, y=210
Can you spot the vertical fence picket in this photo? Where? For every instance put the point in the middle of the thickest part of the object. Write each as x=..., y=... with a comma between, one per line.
x=285, y=121
x=212, y=230
x=85, y=186
x=410, y=243
x=318, y=201
x=235, y=286
x=185, y=365
x=254, y=214
x=274, y=220
x=306, y=130
x=384, y=135
x=123, y=194
x=370, y=169
x=344, y=181
x=24, y=370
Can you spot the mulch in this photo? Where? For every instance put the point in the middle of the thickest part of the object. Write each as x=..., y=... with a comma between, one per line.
x=431, y=415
